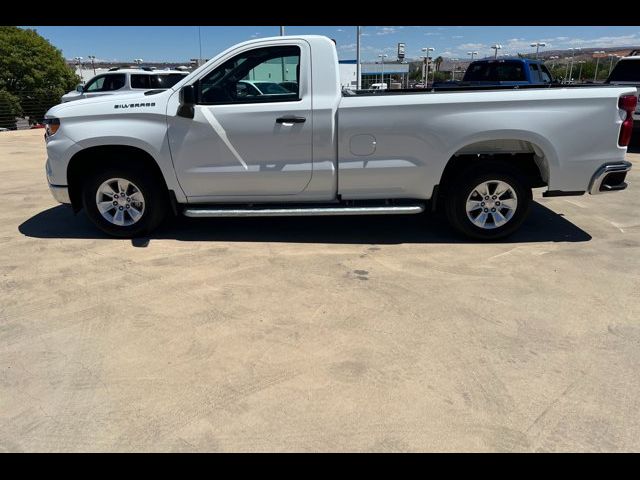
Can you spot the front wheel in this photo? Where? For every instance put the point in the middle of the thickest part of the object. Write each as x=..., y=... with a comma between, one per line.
x=488, y=204
x=124, y=201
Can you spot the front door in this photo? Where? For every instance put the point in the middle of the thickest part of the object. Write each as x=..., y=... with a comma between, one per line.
x=251, y=135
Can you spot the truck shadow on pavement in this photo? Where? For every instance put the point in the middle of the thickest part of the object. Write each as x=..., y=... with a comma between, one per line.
x=542, y=225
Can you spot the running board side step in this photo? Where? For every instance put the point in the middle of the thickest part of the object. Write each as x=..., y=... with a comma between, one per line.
x=302, y=211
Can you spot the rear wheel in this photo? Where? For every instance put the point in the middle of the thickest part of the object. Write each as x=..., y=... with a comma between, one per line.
x=123, y=201
x=488, y=203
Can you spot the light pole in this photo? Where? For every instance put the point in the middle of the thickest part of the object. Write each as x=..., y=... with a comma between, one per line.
x=200, y=47
x=453, y=70
x=137, y=61
x=382, y=57
x=572, y=55
x=600, y=52
x=282, y=31
x=473, y=54
x=496, y=47
x=79, y=66
x=611, y=56
x=426, y=76
x=93, y=65
x=580, y=62
x=538, y=45
x=553, y=57
x=359, y=81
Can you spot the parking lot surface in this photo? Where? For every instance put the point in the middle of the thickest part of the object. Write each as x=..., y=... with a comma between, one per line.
x=316, y=334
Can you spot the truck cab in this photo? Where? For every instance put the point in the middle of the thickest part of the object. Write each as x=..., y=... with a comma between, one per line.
x=507, y=71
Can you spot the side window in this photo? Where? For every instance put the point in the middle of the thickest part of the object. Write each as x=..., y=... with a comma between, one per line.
x=535, y=73
x=544, y=73
x=164, y=80
x=509, y=72
x=140, y=81
x=95, y=85
x=255, y=76
x=113, y=82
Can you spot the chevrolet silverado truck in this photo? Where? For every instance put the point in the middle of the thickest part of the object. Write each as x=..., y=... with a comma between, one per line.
x=211, y=147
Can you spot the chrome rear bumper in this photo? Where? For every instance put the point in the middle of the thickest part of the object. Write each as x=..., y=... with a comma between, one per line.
x=609, y=178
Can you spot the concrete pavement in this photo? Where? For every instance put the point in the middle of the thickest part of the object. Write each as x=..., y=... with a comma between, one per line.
x=317, y=334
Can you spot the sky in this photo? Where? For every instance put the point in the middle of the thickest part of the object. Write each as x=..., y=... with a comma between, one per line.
x=179, y=44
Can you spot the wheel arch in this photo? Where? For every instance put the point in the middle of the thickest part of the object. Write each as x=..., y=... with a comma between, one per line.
x=531, y=153
x=90, y=158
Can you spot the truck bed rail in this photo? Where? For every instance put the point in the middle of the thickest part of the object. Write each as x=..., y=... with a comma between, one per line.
x=466, y=88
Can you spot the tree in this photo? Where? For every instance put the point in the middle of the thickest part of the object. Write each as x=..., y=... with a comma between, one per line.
x=9, y=109
x=440, y=76
x=33, y=70
x=437, y=62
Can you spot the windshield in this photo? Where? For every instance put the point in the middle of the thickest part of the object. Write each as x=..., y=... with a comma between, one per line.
x=626, y=71
x=495, y=71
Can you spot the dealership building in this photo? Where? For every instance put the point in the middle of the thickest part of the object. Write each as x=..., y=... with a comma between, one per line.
x=372, y=73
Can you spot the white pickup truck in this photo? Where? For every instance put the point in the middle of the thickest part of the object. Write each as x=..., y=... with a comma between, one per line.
x=213, y=146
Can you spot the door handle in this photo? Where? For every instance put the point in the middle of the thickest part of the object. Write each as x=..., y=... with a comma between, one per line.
x=290, y=119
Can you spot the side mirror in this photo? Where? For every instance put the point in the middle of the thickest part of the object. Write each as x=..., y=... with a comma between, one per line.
x=187, y=101
x=80, y=88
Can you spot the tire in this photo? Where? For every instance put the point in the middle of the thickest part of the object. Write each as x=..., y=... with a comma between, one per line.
x=145, y=195
x=501, y=214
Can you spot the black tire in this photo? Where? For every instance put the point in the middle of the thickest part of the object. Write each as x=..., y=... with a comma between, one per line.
x=152, y=189
x=464, y=184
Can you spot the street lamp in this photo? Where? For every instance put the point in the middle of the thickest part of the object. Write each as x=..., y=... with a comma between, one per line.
x=472, y=54
x=137, y=61
x=572, y=54
x=538, y=45
x=79, y=66
x=92, y=57
x=496, y=47
x=599, y=52
x=553, y=57
x=580, y=62
x=382, y=57
x=611, y=56
x=426, y=77
x=453, y=70
x=358, y=79
x=282, y=31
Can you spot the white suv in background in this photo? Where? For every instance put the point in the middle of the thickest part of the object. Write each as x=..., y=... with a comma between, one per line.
x=125, y=80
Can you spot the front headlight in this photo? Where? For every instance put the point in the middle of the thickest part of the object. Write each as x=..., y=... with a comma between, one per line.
x=51, y=126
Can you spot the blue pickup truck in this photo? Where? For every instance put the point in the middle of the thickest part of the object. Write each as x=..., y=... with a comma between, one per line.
x=503, y=71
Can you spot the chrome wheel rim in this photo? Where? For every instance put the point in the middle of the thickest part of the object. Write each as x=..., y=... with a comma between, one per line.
x=120, y=202
x=491, y=204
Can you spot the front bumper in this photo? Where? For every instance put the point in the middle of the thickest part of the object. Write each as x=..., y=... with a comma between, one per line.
x=609, y=178
x=60, y=193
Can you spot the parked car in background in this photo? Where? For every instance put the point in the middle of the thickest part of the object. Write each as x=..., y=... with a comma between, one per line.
x=378, y=86
x=265, y=88
x=503, y=71
x=627, y=73
x=125, y=80
x=291, y=86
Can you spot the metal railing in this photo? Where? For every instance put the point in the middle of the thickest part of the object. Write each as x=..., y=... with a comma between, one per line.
x=25, y=109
